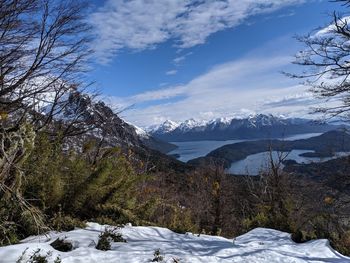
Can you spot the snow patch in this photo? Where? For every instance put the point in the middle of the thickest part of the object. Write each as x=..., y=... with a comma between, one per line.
x=259, y=245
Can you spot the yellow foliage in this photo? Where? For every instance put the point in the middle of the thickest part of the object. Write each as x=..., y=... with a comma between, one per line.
x=328, y=200
x=3, y=115
x=216, y=188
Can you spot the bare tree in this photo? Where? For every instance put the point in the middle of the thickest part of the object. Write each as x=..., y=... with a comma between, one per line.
x=269, y=195
x=43, y=50
x=345, y=2
x=326, y=62
x=44, y=46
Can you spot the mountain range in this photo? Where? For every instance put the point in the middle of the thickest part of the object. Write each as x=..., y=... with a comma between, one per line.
x=253, y=127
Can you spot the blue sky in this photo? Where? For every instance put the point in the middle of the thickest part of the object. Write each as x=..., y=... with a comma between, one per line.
x=181, y=59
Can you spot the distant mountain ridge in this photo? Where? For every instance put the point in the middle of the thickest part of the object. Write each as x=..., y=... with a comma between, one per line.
x=152, y=142
x=254, y=127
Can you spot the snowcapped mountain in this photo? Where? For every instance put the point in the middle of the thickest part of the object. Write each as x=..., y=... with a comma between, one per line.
x=190, y=125
x=141, y=132
x=97, y=119
x=165, y=127
x=256, y=126
x=152, y=142
x=101, y=123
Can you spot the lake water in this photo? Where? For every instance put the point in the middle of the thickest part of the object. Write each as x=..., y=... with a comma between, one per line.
x=255, y=163
x=194, y=149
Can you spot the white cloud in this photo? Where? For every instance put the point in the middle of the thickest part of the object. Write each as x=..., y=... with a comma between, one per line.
x=238, y=88
x=180, y=59
x=177, y=60
x=148, y=96
x=142, y=24
x=171, y=72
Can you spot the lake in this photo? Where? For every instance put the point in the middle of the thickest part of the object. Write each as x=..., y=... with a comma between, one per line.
x=255, y=163
x=194, y=149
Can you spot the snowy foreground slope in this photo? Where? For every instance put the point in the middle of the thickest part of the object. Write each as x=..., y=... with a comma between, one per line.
x=258, y=245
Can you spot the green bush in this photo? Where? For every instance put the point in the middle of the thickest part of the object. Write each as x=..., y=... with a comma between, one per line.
x=8, y=233
x=298, y=236
x=342, y=243
x=70, y=188
x=61, y=222
x=108, y=236
x=104, y=243
x=62, y=245
x=37, y=257
x=157, y=256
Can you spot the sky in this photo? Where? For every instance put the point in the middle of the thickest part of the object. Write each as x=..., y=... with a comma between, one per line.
x=202, y=59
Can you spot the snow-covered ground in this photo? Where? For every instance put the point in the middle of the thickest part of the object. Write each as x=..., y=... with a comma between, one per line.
x=258, y=245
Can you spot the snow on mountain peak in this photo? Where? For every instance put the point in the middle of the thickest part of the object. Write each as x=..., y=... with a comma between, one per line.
x=165, y=127
x=257, y=120
x=226, y=124
x=190, y=124
x=261, y=120
x=222, y=120
x=141, y=132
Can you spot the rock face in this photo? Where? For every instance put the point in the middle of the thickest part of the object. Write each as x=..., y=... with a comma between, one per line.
x=101, y=122
x=89, y=120
x=83, y=117
x=254, y=127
